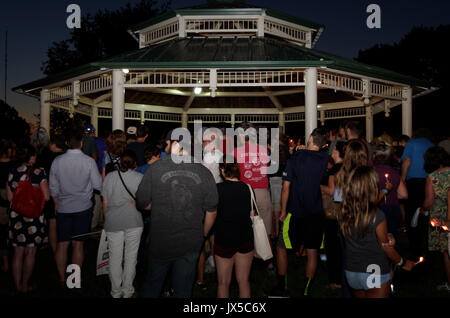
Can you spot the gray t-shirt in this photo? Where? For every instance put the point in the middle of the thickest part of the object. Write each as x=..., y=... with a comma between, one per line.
x=364, y=251
x=120, y=213
x=180, y=195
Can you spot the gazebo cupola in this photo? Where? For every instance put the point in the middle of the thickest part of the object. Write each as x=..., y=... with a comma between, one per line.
x=218, y=20
x=252, y=64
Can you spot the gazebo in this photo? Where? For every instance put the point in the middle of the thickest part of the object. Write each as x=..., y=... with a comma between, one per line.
x=227, y=62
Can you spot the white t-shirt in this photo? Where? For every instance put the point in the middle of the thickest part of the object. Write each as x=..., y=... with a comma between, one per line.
x=211, y=161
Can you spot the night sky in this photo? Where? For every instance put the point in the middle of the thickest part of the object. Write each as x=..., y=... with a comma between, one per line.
x=34, y=25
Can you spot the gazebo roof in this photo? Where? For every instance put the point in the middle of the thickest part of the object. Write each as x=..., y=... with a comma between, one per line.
x=226, y=52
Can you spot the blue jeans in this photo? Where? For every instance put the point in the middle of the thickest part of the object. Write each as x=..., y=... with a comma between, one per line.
x=358, y=280
x=183, y=276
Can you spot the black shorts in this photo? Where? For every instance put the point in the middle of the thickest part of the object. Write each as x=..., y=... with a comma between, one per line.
x=228, y=252
x=306, y=231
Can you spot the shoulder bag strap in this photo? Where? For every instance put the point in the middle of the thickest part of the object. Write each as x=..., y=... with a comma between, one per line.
x=126, y=188
x=252, y=200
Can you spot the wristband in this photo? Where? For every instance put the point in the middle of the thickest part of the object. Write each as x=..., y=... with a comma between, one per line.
x=401, y=263
x=385, y=191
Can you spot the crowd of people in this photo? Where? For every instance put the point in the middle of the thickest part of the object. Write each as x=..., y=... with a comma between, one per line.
x=336, y=192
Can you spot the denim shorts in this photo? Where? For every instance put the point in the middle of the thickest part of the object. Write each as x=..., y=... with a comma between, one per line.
x=359, y=281
x=73, y=224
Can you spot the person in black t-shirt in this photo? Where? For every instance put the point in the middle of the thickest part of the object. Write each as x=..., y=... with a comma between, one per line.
x=233, y=233
x=140, y=145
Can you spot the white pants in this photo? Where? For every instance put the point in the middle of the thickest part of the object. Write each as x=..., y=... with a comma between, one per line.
x=122, y=277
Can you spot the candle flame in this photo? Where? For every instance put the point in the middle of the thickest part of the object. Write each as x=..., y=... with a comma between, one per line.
x=445, y=227
x=421, y=259
x=386, y=175
x=433, y=224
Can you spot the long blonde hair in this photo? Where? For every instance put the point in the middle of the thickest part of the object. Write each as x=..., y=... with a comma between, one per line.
x=355, y=156
x=360, y=197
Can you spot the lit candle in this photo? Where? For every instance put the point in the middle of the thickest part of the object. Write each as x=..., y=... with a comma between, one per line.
x=421, y=260
x=445, y=227
x=433, y=224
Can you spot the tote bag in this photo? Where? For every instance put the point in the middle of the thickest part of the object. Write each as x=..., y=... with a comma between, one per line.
x=103, y=256
x=262, y=245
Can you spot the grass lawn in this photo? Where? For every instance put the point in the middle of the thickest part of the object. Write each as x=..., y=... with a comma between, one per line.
x=419, y=283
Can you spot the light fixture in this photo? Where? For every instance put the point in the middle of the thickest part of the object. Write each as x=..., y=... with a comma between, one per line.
x=125, y=70
x=319, y=82
x=197, y=90
x=366, y=101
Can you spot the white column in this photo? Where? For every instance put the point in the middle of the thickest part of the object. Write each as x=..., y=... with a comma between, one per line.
x=281, y=122
x=118, y=100
x=369, y=123
x=45, y=110
x=310, y=78
x=407, y=111
x=184, y=120
x=94, y=119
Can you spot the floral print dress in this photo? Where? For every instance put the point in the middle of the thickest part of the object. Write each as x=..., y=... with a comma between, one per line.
x=23, y=231
x=438, y=239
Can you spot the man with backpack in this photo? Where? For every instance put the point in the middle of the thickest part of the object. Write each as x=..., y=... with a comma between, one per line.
x=73, y=177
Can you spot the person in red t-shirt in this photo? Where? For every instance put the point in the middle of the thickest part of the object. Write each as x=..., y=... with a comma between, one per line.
x=253, y=160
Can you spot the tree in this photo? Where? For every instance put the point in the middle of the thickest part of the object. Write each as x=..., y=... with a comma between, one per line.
x=101, y=35
x=12, y=126
x=420, y=54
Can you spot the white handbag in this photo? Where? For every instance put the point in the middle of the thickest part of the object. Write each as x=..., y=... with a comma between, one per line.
x=262, y=245
x=103, y=255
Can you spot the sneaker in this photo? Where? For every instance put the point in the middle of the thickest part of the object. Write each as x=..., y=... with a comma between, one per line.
x=443, y=287
x=277, y=292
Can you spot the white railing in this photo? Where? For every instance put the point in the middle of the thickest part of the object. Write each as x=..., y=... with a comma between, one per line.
x=294, y=117
x=168, y=117
x=257, y=118
x=284, y=31
x=104, y=112
x=60, y=93
x=161, y=33
x=384, y=90
x=167, y=79
x=345, y=113
x=101, y=83
x=132, y=114
x=210, y=118
x=221, y=25
x=260, y=78
x=343, y=83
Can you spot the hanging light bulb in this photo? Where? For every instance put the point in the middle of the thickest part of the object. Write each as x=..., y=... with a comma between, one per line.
x=197, y=90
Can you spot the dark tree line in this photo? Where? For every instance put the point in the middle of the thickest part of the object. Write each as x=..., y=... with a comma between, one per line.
x=101, y=35
x=421, y=54
x=12, y=126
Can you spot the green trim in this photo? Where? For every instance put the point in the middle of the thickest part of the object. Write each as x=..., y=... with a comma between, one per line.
x=286, y=239
x=212, y=64
x=212, y=12
x=73, y=72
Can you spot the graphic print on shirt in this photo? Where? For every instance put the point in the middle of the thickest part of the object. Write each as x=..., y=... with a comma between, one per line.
x=181, y=195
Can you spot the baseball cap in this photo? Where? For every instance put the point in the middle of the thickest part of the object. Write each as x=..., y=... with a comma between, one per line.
x=131, y=130
x=89, y=128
